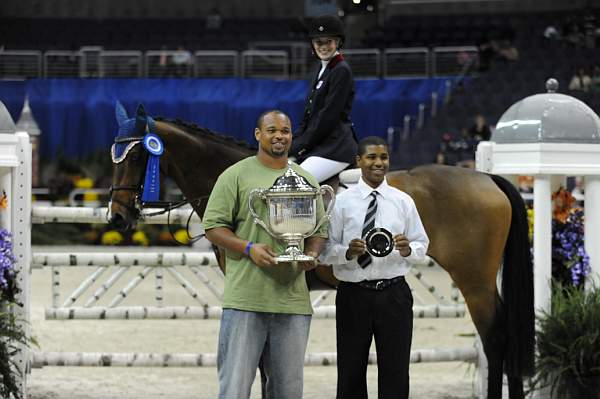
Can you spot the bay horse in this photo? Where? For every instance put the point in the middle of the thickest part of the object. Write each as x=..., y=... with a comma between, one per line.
x=476, y=222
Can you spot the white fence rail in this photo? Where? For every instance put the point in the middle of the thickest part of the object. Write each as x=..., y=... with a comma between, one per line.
x=58, y=214
x=91, y=359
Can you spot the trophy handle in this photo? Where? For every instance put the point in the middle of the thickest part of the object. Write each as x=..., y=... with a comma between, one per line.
x=327, y=216
x=260, y=192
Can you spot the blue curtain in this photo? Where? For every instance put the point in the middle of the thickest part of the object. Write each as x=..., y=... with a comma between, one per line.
x=76, y=116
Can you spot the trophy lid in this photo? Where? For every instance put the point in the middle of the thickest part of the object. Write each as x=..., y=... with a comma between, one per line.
x=290, y=181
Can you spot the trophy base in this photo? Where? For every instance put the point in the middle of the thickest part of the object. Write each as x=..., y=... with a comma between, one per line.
x=294, y=258
x=293, y=254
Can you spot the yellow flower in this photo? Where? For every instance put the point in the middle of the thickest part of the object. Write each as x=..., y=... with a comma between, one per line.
x=181, y=235
x=84, y=182
x=530, y=222
x=140, y=238
x=112, y=237
x=90, y=197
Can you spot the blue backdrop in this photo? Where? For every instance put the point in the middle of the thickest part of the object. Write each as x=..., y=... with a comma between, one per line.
x=76, y=116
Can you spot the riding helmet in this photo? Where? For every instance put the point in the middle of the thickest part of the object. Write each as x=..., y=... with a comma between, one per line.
x=327, y=26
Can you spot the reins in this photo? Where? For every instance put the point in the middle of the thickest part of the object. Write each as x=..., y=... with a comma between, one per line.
x=168, y=207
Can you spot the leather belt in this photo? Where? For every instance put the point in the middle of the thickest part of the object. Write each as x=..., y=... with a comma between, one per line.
x=379, y=285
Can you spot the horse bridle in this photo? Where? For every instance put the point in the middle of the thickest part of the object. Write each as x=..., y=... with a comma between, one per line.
x=138, y=206
x=136, y=210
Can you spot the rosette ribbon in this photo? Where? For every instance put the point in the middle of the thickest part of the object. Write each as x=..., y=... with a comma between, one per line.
x=154, y=145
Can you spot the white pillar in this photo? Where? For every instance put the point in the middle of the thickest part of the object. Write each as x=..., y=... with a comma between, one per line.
x=542, y=244
x=542, y=251
x=20, y=206
x=592, y=227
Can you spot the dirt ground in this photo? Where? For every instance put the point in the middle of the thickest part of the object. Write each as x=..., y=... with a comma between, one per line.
x=428, y=380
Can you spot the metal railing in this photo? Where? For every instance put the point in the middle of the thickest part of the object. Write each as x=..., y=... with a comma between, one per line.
x=265, y=64
x=164, y=64
x=299, y=52
x=19, y=64
x=89, y=62
x=267, y=60
x=61, y=64
x=365, y=63
x=406, y=62
x=121, y=64
x=216, y=63
x=452, y=60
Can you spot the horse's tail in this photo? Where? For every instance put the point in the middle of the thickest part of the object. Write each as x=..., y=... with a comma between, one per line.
x=517, y=287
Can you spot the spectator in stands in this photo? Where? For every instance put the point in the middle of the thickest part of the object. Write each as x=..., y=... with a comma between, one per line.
x=486, y=55
x=479, y=131
x=182, y=59
x=506, y=50
x=325, y=142
x=595, y=80
x=442, y=157
x=551, y=33
x=590, y=29
x=572, y=33
x=580, y=81
x=163, y=62
x=465, y=148
x=214, y=19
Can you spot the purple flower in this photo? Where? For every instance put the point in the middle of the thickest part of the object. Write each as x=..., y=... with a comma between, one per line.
x=570, y=262
x=7, y=261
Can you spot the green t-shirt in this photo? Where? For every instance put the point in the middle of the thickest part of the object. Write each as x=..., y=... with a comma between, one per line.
x=278, y=289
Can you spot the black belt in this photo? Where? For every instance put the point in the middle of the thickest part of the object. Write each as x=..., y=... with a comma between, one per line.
x=379, y=285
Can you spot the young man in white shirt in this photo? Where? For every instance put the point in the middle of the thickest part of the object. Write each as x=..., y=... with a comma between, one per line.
x=373, y=298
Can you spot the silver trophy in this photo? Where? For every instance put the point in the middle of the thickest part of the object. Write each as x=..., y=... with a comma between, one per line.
x=292, y=212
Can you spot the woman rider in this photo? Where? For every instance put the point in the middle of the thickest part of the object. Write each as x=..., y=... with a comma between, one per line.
x=325, y=143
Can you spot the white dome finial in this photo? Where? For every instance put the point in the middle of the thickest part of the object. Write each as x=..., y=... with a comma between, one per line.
x=552, y=85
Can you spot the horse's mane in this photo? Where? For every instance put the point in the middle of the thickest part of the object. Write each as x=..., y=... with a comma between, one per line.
x=200, y=131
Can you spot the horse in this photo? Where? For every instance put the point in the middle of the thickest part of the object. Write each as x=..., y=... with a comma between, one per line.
x=476, y=222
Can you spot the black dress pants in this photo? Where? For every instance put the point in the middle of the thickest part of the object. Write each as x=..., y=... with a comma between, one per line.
x=361, y=314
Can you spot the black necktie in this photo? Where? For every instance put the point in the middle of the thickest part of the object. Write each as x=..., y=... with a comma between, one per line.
x=365, y=259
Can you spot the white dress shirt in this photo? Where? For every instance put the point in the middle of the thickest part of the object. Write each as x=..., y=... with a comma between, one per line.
x=396, y=212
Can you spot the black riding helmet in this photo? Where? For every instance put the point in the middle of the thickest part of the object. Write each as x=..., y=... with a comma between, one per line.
x=327, y=26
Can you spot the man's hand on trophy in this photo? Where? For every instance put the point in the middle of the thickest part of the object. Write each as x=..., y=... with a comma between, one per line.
x=356, y=248
x=401, y=243
x=262, y=255
x=309, y=264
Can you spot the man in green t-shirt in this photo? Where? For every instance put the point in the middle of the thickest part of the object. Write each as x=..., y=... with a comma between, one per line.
x=266, y=306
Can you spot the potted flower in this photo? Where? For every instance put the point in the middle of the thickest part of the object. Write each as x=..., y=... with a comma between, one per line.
x=12, y=335
x=568, y=337
x=570, y=262
x=568, y=341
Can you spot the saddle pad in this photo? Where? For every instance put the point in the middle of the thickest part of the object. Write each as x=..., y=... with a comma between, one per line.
x=350, y=176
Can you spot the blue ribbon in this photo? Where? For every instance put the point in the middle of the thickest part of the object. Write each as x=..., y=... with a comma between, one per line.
x=155, y=148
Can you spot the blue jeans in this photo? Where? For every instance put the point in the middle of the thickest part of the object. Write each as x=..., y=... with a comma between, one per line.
x=281, y=341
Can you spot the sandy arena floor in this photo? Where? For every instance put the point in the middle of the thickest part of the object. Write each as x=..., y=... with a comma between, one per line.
x=428, y=381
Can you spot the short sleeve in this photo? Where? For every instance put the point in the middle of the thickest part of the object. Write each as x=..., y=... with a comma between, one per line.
x=221, y=208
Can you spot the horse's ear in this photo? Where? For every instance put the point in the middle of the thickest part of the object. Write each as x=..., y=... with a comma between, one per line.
x=140, y=119
x=120, y=113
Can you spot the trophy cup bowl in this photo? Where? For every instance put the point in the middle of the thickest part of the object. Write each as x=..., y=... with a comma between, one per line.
x=292, y=212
